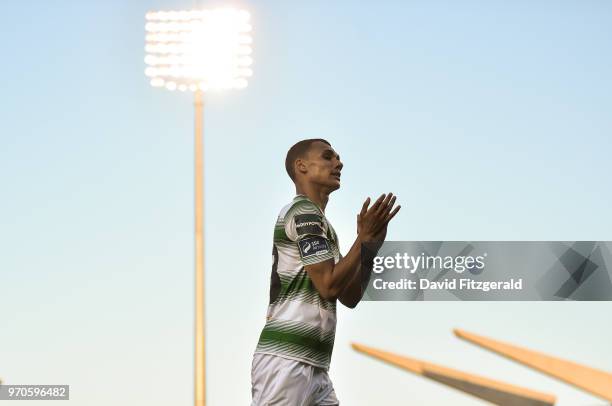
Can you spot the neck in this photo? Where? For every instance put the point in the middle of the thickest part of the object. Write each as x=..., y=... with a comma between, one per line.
x=318, y=195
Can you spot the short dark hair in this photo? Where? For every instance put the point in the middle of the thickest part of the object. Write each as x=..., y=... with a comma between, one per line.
x=298, y=150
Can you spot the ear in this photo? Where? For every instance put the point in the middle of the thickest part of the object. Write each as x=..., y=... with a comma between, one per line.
x=300, y=166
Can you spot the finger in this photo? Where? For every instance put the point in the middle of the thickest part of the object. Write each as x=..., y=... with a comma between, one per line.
x=377, y=203
x=383, y=205
x=389, y=207
x=364, y=208
x=392, y=214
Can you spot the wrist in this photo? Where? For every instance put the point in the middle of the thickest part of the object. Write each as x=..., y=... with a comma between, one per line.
x=364, y=237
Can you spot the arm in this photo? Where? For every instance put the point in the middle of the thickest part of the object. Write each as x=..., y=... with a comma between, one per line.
x=333, y=280
x=353, y=293
x=355, y=289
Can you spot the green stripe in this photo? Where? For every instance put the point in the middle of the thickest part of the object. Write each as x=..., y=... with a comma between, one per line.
x=280, y=235
x=314, y=344
x=302, y=207
x=300, y=287
x=299, y=283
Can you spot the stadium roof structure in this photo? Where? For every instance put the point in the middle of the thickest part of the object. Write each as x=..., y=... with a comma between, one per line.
x=594, y=381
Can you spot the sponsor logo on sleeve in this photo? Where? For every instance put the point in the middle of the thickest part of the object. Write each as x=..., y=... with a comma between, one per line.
x=306, y=224
x=313, y=246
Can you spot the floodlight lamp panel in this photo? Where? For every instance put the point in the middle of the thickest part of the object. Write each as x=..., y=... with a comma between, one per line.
x=207, y=49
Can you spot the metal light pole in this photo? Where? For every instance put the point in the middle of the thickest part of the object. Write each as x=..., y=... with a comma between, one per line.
x=200, y=348
x=198, y=50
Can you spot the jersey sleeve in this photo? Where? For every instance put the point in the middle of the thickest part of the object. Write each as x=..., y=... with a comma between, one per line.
x=306, y=227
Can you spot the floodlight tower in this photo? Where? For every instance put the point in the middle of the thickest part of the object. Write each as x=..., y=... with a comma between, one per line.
x=198, y=50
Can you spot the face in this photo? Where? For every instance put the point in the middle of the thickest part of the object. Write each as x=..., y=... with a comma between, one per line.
x=323, y=165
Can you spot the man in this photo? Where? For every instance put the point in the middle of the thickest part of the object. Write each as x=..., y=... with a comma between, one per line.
x=308, y=276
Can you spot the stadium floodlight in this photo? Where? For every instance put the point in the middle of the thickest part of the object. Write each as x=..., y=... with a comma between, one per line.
x=199, y=51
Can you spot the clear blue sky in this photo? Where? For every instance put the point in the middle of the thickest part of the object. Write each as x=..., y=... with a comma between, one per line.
x=490, y=120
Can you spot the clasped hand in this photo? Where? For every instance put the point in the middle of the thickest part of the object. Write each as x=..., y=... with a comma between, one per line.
x=372, y=222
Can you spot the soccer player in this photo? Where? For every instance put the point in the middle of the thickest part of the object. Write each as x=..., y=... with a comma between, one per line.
x=308, y=276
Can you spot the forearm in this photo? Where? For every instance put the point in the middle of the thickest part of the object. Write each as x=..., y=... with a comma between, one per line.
x=344, y=272
x=333, y=280
x=355, y=289
x=352, y=293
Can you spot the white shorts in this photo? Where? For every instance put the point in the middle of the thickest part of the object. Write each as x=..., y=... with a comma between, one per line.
x=277, y=381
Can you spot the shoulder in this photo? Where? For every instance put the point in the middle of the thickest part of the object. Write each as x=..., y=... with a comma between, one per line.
x=302, y=217
x=301, y=207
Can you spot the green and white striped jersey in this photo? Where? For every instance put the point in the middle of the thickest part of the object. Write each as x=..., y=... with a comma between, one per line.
x=300, y=325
